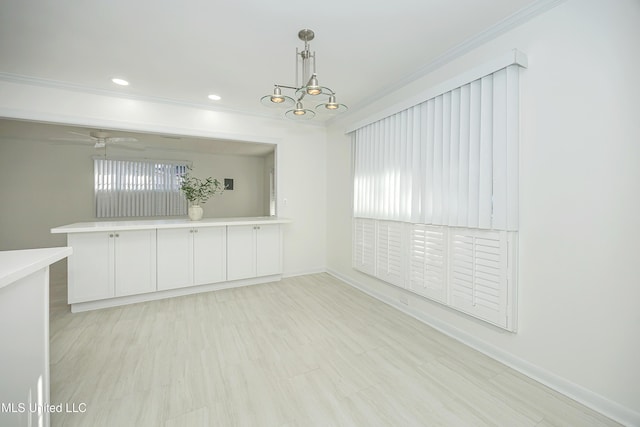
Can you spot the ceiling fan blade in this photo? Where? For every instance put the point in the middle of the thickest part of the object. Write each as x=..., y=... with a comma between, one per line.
x=124, y=145
x=71, y=140
x=80, y=134
x=117, y=139
x=130, y=146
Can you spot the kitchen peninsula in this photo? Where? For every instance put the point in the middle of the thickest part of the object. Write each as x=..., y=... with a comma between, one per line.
x=24, y=333
x=124, y=262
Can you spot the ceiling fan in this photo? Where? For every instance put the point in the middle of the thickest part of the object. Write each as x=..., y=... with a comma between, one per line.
x=101, y=139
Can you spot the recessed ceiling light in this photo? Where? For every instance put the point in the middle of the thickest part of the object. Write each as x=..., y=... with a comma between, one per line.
x=215, y=97
x=120, y=82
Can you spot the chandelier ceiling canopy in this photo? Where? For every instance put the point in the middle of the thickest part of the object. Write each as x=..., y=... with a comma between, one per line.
x=306, y=85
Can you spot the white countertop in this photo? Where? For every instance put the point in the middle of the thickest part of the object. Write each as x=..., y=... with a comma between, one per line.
x=14, y=265
x=84, y=227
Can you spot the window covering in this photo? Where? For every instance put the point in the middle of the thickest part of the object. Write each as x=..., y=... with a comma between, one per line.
x=435, y=195
x=450, y=160
x=134, y=188
x=470, y=270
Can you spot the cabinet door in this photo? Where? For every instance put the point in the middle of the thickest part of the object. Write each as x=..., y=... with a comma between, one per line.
x=241, y=252
x=135, y=262
x=175, y=258
x=209, y=255
x=268, y=258
x=90, y=267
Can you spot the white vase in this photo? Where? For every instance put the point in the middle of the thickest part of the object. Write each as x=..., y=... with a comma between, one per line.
x=195, y=212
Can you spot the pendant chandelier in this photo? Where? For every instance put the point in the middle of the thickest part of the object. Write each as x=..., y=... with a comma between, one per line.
x=305, y=72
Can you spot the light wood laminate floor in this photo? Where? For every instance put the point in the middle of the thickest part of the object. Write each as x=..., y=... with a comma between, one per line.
x=305, y=351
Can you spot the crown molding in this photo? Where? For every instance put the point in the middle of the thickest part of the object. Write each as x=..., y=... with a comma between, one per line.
x=512, y=21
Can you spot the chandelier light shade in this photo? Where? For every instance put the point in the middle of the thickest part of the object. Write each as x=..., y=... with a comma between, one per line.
x=332, y=106
x=305, y=73
x=277, y=99
x=299, y=113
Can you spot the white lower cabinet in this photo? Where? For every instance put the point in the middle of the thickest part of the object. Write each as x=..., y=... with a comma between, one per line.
x=210, y=255
x=253, y=251
x=191, y=256
x=116, y=263
x=111, y=264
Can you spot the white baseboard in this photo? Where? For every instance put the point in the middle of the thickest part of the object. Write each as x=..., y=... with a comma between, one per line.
x=609, y=408
x=303, y=273
x=169, y=293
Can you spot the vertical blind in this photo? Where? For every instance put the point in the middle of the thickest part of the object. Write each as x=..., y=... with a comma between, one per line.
x=451, y=160
x=436, y=194
x=132, y=188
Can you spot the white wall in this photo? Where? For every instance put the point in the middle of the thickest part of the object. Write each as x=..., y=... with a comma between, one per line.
x=301, y=151
x=579, y=197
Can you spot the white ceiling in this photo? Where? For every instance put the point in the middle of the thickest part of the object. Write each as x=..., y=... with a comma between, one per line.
x=183, y=51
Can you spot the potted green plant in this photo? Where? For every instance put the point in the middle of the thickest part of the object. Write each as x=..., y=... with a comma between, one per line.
x=198, y=191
